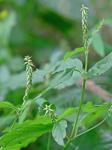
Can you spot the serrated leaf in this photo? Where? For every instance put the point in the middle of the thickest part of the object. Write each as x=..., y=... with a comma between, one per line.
x=101, y=67
x=59, y=132
x=98, y=44
x=74, y=52
x=6, y=105
x=23, y=134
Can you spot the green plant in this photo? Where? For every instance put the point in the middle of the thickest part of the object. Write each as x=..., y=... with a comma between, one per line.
x=25, y=129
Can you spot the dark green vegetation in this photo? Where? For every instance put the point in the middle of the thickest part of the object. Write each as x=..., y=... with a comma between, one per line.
x=62, y=101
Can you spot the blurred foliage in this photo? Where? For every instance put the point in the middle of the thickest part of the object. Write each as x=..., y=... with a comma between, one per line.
x=45, y=30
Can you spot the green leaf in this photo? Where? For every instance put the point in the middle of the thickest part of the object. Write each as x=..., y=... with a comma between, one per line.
x=67, y=73
x=59, y=132
x=25, y=112
x=89, y=107
x=101, y=67
x=98, y=44
x=6, y=105
x=97, y=112
x=67, y=112
x=70, y=63
x=74, y=52
x=6, y=121
x=65, y=79
x=23, y=134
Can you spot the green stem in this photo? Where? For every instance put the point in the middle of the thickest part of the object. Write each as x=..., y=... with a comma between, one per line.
x=74, y=129
x=86, y=60
x=49, y=141
x=42, y=93
x=90, y=129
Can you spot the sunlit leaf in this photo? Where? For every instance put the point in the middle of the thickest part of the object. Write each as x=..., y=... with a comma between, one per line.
x=22, y=134
x=5, y=105
x=74, y=52
x=67, y=113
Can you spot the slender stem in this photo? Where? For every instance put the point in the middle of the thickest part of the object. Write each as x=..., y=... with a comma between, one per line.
x=74, y=129
x=49, y=141
x=15, y=119
x=90, y=129
x=86, y=59
x=84, y=11
x=42, y=93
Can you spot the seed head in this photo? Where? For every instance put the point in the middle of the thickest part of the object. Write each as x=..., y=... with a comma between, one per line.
x=84, y=11
x=29, y=71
